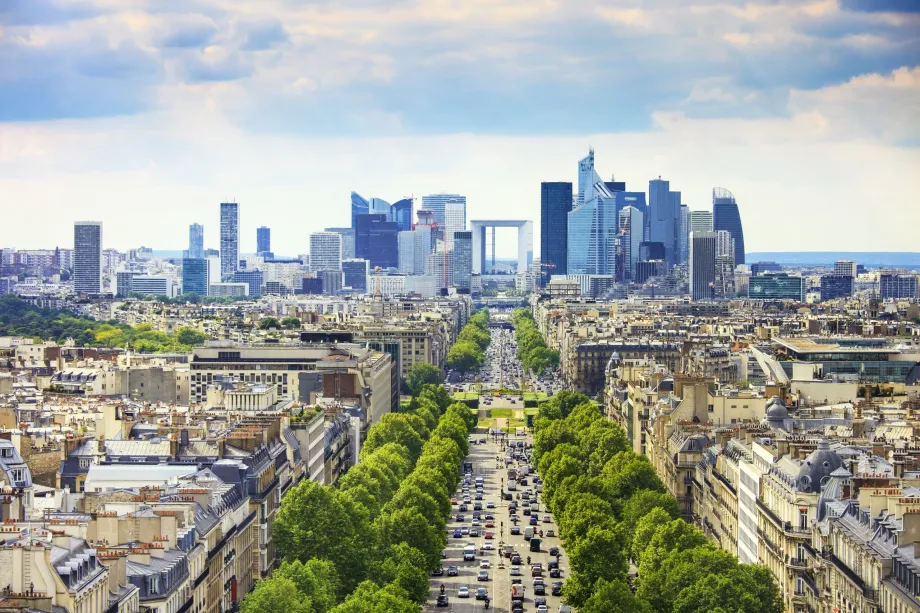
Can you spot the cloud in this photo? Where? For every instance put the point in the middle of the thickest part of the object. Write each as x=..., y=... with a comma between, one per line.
x=196, y=32
x=263, y=34
x=34, y=12
x=882, y=6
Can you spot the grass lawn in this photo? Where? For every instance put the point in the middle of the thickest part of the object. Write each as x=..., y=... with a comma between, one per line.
x=505, y=413
x=465, y=396
x=532, y=411
x=486, y=422
x=538, y=396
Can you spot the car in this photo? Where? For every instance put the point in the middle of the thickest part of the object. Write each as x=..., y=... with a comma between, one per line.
x=438, y=572
x=475, y=523
x=539, y=589
x=459, y=517
x=555, y=573
x=553, y=564
x=515, y=571
x=485, y=564
x=442, y=601
x=481, y=593
x=539, y=601
x=477, y=506
x=474, y=531
x=488, y=546
x=554, y=551
x=515, y=530
x=490, y=523
x=550, y=532
x=463, y=592
x=542, y=609
x=490, y=504
x=526, y=509
x=478, y=496
x=533, y=520
x=488, y=535
x=546, y=519
x=556, y=589
x=515, y=559
x=453, y=571
x=465, y=530
x=454, y=500
x=483, y=575
x=463, y=507
x=458, y=533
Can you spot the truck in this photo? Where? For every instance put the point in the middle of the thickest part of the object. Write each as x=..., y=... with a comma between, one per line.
x=535, y=544
x=512, y=474
x=469, y=552
x=517, y=594
x=467, y=468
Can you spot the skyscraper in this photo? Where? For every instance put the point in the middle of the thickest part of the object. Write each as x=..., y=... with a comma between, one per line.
x=359, y=206
x=664, y=218
x=702, y=265
x=683, y=235
x=725, y=216
x=406, y=245
x=229, y=239
x=355, y=272
x=263, y=240
x=401, y=213
x=701, y=221
x=196, y=241
x=253, y=278
x=632, y=227
x=454, y=220
x=845, y=268
x=195, y=276
x=587, y=177
x=348, y=241
x=376, y=241
x=463, y=261
x=435, y=203
x=87, y=257
x=725, y=245
x=555, y=205
x=325, y=251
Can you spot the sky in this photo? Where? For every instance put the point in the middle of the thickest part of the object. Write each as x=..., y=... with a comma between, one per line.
x=146, y=114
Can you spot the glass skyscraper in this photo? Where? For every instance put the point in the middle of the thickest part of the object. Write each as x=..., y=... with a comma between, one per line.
x=359, y=206
x=229, y=239
x=779, y=286
x=578, y=243
x=435, y=203
x=355, y=272
x=587, y=178
x=263, y=240
x=196, y=241
x=401, y=213
x=325, y=251
x=463, y=261
x=376, y=240
x=253, y=278
x=348, y=241
x=195, y=276
x=664, y=218
x=632, y=224
x=555, y=206
x=87, y=257
x=725, y=216
x=702, y=265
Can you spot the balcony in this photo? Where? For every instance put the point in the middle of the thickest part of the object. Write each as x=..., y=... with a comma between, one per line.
x=799, y=563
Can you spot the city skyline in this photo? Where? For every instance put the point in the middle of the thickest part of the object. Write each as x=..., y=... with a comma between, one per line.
x=182, y=108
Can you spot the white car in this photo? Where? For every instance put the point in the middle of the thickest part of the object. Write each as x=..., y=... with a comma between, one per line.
x=485, y=564
x=463, y=592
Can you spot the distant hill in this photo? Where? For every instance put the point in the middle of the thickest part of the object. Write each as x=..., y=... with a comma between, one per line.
x=869, y=259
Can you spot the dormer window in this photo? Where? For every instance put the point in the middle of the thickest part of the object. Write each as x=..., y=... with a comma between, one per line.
x=6, y=452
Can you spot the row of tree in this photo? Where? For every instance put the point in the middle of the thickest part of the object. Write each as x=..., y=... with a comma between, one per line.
x=469, y=350
x=531, y=348
x=19, y=318
x=612, y=509
x=368, y=544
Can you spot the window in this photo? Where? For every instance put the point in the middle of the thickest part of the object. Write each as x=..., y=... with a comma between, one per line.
x=17, y=475
x=803, y=519
x=85, y=462
x=7, y=452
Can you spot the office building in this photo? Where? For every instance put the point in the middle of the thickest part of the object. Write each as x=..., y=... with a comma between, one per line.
x=663, y=221
x=253, y=279
x=195, y=276
x=348, y=241
x=332, y=281
x=454, y=220
x=312, y=285
x=153, y=285
x=777, y=286
x=725, y=216
x=376, y=240
x=264, y=241
x=463, y=261
x=683, y=235
x=355, y=273
x=555, y=206
x=325, y=251
x=229, y=239
x=196, y=241
x=646, y=269
x=401, y=213
x=591, y=232
x=758, y=268
x=359, y=206
x=725, y=246
x=406, y=246
x=649, y=251
x=87, y=257
x=845, y=268
x=897, y=287
x=587, y=178
x=836, y=286
x=701, y=221
x=632, y=225
x=124, y=283
x=228, y=290
x=702, y=265
x=424, y=246
x=436, y=203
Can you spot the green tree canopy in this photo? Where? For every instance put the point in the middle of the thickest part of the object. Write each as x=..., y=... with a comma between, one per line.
x=421, y=374
x=276, y=595
x=267, y=323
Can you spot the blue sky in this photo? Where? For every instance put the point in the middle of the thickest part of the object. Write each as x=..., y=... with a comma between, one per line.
x=147, y=113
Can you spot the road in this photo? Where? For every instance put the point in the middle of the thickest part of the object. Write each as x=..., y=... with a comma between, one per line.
x=499, y=583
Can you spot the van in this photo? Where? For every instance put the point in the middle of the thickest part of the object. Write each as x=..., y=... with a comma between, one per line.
x=528, y=533
x=469, y=552
x=564, y=608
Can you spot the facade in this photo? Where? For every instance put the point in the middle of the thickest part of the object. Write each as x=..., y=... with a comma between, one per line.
x=632, y=224
x=348, y=241
x=355, y=273
x=264, y=241
x=376, y=240
x=196, y=241
x=454, y=220
x=325, y=251
x=359, y=206
x=664, y=218
x=777, y=287
x=587, y=178
x=229, y=239
x=436, y=204
x=725, y=216
x=703, y=250
x=153, y=285
x=525, y=242
x=845, y=268
x=124, y=283
x=406, y=245
x=332, y=281
x=253, y=279
x=228, y=290
x=555, y=206
x=683, y=236
x=701, y=221
x=897, y=287
x=758, y=268
x=401, y=213
x=463, y=261
x=836, y=286
x=87, y=258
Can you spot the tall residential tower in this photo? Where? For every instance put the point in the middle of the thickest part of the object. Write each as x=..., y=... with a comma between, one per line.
x=229, y=239
x=87, y=257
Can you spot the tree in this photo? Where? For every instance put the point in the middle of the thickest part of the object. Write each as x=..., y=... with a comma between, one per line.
x=744, y=589
x=464, y=356
x=290, y=323
x=394, y=428
x=371, y=598
x=405, y=566
x=613, y=597
x=411, y=527
x=189, y=336
x=600, y=554
x=642, y=502
x=267, y=323
x=317, y=580
x=276, y=595
x=421, y=374
x=680, y=570
x=645, y=530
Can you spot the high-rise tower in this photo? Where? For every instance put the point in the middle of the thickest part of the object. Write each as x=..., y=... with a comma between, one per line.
x=555, y=205
x=263, y=240
x=87, y=257
x=196, y=241
x=229, y=239
x=725, y=216
x=664, y=219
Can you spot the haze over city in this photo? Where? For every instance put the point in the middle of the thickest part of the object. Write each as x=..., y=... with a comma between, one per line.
x=146, y=115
